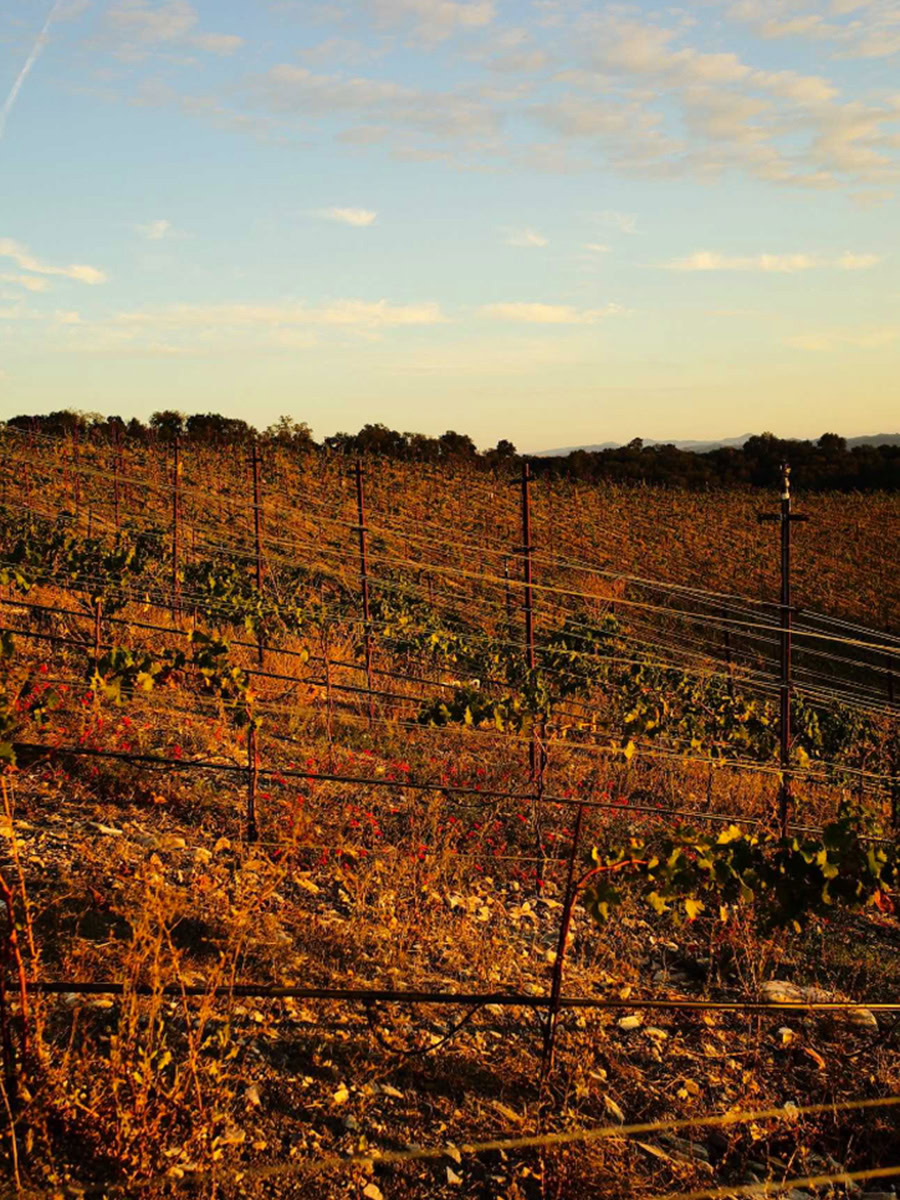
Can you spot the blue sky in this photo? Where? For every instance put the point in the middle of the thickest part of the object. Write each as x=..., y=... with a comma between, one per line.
x=555, y=222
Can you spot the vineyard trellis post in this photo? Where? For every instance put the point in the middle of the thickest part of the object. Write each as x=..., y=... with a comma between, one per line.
x=729, y=658
x=536, y=756
x=252, y=780
x=364, y=580
x=565, y=922
x=785, y=518
x=329, y=701
x=76, y=467
x=98, y=612
x=528, y=594
x=895, y=748
x=176, y=478
x=257, y=533
x=117, y=450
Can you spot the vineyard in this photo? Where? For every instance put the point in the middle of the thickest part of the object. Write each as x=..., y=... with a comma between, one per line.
x=382, y=829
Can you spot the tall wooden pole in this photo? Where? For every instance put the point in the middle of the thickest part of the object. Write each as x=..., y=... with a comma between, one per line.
x=257, y=529
x=364, y=580
x=176, y=514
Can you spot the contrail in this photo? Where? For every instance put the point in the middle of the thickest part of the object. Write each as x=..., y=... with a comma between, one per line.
x=29, y=63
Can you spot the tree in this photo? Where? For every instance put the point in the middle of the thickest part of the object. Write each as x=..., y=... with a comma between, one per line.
x=137, y=430
x=457, y=445
x=502, y=454
x=218, y=430
x=288, y=432
x=832, y=443
x=340, y=443
x=379, y=439
x=167, y=425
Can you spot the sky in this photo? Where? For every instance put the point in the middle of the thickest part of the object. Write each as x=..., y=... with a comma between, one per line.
x=551, y=221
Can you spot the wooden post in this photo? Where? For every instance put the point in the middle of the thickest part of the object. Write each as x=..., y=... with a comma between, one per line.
x=252, y=780
x=364, y=581
x=98, y=610
x=116, y=453
x=895, y=750
x=528, y=600
x=785, y=518
x=257, y=528
x=565, y=923
x=176, y=478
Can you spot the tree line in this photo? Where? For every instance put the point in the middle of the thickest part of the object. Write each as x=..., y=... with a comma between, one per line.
x=825, y=464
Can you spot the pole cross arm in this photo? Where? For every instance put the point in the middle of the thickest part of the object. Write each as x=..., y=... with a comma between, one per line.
x=764, y=517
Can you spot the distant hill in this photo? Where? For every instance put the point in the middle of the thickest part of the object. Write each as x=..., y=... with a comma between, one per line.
x=696, y=447
x=876, y=439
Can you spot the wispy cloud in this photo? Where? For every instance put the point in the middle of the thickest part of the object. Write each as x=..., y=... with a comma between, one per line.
x=155, y=231
x=434, y=20
x=31, y=283
x=729, y=113
x=623, y=221
x=134, y=28
x=857, y=262
x=360, y=217
x=525, y=238
x=204, y=329
x=365, y=314
x=548, y=314
x=217, y=43
x=873, y=30
x=710, y=260
x=416, y=122
x=636, y=93
x=25, y=260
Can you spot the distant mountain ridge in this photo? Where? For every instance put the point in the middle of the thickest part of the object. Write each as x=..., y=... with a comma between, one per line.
x=876, y=439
